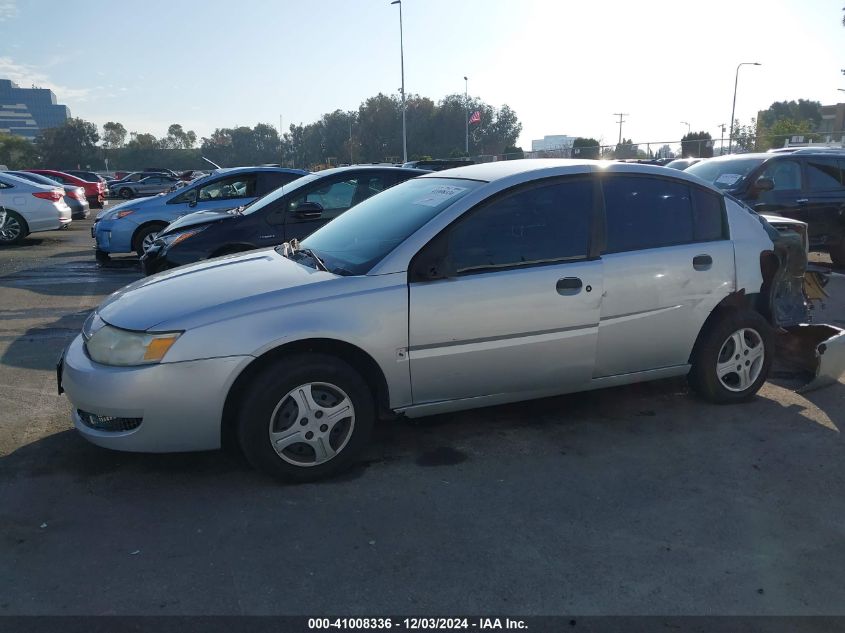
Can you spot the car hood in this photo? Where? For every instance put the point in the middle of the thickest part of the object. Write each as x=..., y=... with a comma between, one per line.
x=199, y=217
x=108, y=214
x=210, y=285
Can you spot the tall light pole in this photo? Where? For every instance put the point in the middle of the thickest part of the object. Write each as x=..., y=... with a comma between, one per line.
x=466, y=115
x=722, y=126
x=402, y=61
x=733, y=108
x=687, y=124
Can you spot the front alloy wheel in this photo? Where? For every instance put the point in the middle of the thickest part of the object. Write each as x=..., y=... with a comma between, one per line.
x=312, y=424
x=305, y=416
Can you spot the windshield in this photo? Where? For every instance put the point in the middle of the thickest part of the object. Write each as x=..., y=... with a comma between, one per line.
x=260, y=203
x=364, y=235
x=725, y=174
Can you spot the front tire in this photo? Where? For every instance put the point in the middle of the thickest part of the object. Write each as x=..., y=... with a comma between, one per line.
x=145, y=237
x=305, y=417
x=125, y=193
x=13, y=228
x=731, y=360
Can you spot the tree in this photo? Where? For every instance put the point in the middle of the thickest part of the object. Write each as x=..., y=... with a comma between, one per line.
x=513, y=153
x=16, y=152
x=143, y=141
x=697, y=145
x=625, y=149
x=585, y=148
x=114, y=135
x=744, y=137
x=783, y=130
x=178, y=138
x=69, y=145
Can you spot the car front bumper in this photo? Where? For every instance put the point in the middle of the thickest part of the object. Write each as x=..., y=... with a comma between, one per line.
x=174, y=406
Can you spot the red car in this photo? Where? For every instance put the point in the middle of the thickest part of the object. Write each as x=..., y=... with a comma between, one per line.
x=95, y=192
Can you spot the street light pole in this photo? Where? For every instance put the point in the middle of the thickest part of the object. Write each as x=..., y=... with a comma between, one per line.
x=402, y=62
x=733, y=108
x=687, y=124
x=466, y=115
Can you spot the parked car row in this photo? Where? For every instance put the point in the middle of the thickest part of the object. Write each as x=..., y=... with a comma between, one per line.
x=425, y=293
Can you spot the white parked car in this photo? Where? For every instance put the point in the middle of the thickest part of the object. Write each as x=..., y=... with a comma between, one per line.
x=28, y=207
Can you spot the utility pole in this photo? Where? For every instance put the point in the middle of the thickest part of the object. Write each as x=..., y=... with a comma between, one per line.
x=466, y=115
x=281, y=143
x=351, y=160
x=722, y=126
x=621, y=121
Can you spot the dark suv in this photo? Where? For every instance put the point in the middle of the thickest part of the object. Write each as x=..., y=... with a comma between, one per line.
x=805, y=185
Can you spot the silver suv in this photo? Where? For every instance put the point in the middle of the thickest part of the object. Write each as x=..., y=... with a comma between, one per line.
x=464, y=288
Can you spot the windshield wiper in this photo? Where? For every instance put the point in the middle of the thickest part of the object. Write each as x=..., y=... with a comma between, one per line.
x=289, y=249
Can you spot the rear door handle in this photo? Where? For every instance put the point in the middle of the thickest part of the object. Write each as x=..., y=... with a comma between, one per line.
x=569, y=286
x=702, y=262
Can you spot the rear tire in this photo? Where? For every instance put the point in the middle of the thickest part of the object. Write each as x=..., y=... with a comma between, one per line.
x=13, y=228
x=125, y=193
x=732, y=357
x=305, y=417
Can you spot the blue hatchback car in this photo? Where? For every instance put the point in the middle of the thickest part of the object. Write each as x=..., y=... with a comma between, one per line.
x=132, y=225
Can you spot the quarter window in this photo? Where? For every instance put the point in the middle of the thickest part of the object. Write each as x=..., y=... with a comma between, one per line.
x=644, y=212
x=541, y=224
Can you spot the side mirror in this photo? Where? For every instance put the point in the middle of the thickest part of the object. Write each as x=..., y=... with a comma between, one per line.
x=308, y=211
x=764, y=184
x=193, y=196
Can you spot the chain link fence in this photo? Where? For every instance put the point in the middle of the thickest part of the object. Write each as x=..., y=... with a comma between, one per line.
x=679, y=148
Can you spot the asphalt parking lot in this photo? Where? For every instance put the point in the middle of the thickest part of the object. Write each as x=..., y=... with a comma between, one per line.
x=635, y=500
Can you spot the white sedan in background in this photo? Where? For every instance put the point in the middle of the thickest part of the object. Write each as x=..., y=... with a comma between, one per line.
x=28, y=207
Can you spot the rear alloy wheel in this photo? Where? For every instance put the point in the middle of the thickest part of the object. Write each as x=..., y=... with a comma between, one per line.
x=732, y=358
x=12, y=227
x=305, y=417
x=125, y=193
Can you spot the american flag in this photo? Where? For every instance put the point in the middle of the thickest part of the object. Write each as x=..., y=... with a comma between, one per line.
x=476, y=117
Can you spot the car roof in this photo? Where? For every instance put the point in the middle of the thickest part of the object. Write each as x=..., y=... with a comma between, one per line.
x=24, y=181
x=237, y=170
x=498, y=170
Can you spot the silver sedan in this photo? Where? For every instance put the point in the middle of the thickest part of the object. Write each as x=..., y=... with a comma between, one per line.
x=470, y=287
x=149, y=186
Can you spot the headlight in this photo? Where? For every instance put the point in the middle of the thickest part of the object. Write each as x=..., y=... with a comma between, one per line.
x=174, y=238
x=112, y=346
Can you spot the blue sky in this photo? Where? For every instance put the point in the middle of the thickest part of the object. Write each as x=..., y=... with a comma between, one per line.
x=565, y=66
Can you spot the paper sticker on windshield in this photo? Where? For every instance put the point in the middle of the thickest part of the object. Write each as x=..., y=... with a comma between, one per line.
x=728, y=179
x=438, y=195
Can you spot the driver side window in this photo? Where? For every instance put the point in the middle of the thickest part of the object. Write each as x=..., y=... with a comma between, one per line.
x=228, y=188
x=786, y=174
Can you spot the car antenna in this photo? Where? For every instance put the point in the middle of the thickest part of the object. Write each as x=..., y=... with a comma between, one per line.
x=211, y=161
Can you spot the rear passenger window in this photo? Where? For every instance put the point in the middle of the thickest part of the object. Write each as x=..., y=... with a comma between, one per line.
x=644, y=212
x=708, y=218
x=823, y=175
x=541, y=224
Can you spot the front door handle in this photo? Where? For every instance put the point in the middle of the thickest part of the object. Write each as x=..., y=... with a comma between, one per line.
x=702, y=262
x=802, y=200
x=569, y=286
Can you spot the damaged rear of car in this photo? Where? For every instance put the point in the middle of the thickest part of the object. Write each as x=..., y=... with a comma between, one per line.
x=813, y=354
